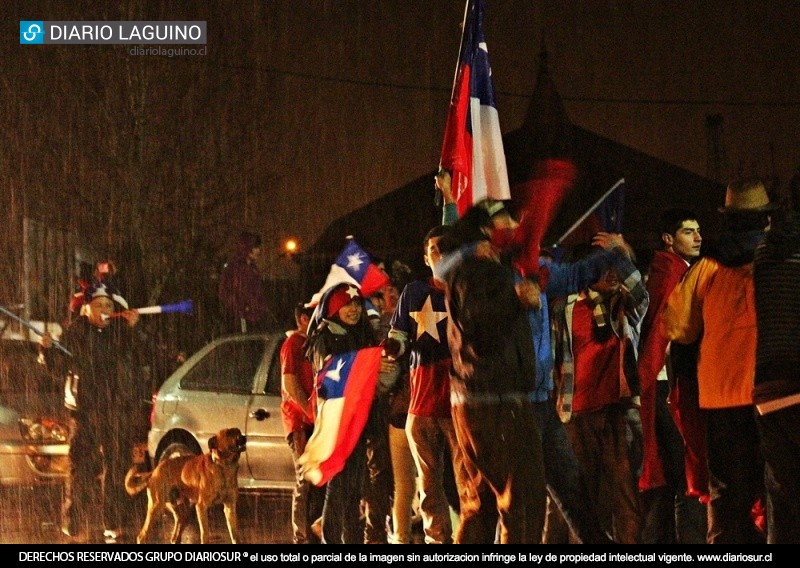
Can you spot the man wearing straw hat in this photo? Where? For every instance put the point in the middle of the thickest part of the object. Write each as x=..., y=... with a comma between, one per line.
x=715, y=303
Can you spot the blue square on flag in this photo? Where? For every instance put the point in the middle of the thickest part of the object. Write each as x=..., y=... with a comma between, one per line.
x=333, y=377
x=605, y=215
x=345, y=389
x=358, y=264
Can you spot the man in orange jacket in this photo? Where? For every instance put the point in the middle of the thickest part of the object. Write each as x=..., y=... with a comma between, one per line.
x=715, y=304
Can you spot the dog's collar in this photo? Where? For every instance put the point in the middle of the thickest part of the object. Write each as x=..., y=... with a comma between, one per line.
x=219, y=457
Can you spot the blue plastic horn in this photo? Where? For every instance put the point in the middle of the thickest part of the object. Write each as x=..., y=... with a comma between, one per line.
x=184, y=307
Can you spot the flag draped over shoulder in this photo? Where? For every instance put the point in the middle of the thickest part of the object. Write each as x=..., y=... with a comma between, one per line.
x=605, y=215
x=473, y=145
x=353, y=266
x=345, y=389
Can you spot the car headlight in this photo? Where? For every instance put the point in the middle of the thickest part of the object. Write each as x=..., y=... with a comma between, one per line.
x=43, y=430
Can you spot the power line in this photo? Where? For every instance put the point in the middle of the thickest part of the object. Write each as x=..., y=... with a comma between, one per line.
x=711, y=102
x=593, y=100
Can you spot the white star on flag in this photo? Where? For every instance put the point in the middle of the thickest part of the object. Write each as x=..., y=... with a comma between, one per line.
x=336, y=374
x=354, y=261
x=427, y=319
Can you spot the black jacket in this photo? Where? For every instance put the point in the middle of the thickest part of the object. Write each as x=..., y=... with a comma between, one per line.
x=488, y=330
x=105, y=375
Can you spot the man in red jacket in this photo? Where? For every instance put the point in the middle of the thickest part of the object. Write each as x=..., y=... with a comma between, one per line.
x=671, y=516
x=297, y=386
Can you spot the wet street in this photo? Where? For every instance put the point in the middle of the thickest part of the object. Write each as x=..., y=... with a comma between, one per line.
x=31, y=516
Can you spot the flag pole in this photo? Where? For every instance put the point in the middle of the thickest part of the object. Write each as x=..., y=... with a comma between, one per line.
x=583, y=217
x=464, y=23
x=31, y=327
x=437, y=196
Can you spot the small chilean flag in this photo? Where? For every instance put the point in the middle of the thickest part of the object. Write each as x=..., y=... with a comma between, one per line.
x=353, y=266
x=605, y=215
x=345, y=389
x=358, y=264
x=473, y=144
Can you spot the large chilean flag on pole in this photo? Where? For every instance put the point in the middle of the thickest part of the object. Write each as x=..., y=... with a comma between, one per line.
x=345, y=389
x=473, y=144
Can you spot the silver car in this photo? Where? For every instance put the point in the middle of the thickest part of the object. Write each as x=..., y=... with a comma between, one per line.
x=34, y=448
x=233, y=381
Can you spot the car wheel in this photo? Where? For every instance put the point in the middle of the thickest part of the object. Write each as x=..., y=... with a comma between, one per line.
x=176, y=449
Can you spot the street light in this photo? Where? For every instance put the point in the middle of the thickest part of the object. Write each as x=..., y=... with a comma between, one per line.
x=290, y=247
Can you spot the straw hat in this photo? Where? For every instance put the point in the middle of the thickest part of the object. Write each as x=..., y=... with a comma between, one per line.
x=747, y=196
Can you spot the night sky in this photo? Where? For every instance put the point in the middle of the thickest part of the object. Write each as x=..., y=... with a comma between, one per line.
x=301, y=112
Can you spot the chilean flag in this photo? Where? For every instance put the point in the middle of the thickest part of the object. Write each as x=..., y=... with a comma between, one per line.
x=473, y=144
x=539, y=198
x=353, y=266
x=345, y=389
x=358, y=264
x=605, y=215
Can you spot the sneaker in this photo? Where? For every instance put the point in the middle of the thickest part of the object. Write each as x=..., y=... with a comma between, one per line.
x=112, y=534
x=73, y=534
x=316, y=528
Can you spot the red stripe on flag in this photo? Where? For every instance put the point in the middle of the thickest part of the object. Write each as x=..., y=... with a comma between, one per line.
x=540, y=199
x=359, y=391
x=457, y=146
x=374, y=279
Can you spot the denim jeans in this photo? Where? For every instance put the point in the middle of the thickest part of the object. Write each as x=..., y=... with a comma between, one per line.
x=780, y=445
x=566, y=483
x=341, y=513
x=736, y=475
x=600, y=441
x=378, y=484
x=502, y=452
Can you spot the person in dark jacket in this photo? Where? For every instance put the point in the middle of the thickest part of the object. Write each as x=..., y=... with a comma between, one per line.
x=241, y=289
x=777, y=383
x=492, y=377
x=105, y=398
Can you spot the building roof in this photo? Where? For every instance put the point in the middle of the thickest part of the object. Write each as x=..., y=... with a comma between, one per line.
x=393, y=225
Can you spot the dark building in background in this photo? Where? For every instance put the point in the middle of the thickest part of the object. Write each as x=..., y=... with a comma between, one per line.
x=393, y=226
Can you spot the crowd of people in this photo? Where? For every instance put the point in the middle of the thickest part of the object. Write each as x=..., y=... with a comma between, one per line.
x=592, y=400
x=530, y=400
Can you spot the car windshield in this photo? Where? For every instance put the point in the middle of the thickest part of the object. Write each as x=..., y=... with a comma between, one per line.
x=229, y=367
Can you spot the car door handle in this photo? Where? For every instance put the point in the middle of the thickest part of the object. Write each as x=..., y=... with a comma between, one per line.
x=260, y=414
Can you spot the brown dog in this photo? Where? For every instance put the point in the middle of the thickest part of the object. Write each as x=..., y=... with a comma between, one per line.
x=178, y=483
